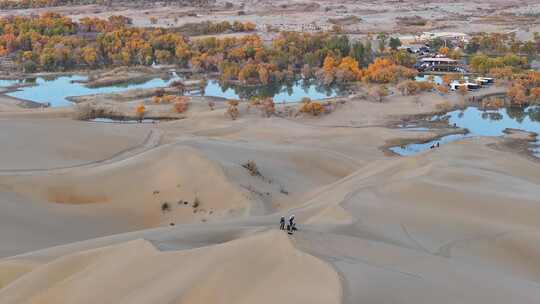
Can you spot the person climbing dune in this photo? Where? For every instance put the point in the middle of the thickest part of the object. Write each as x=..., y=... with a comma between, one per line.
x=291, y=226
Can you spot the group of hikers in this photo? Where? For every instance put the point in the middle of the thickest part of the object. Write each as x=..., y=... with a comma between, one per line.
x=291, y=224
x=435, y=146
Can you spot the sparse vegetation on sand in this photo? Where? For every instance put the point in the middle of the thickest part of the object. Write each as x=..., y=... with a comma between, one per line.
x=251, y=166
x=195, y=211
x=412, y=21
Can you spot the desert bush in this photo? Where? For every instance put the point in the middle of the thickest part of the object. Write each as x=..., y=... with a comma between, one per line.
x=312, y=107
x=517, y=94
x=411, y=21
x=140, y=111
x=493, y=103
x=211, y=105
x=442, y=89
x=425, y=86
x=378, y=93
x=87, y=111
x=165, y=207
x=535, y=95
x=251, y=166
x=167, y=99
x=349, y=20
x=254, y=102
x=408, y=87
x=268, y=107
x=196, y=203
x=181, y=104
x=232, y=109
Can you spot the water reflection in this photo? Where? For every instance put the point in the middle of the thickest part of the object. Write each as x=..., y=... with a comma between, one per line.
x=292, y=91
x=482, y=123
x=55, y=90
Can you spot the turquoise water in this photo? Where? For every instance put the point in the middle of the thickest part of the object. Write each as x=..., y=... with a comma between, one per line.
x=415, y=148
x=122, y=121
x=56, y=90
x=4, y=83
x=482, y=123
x=423, y=77
x=291, y=92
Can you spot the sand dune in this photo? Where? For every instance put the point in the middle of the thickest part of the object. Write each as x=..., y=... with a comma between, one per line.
x=49, y=143
x=174, y=175
x=480, y=212
x=266, y=269
x=458, y=224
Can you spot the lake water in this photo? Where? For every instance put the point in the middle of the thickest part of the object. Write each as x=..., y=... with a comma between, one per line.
x=122, y=121
x=8, y=82
x=291, y=92
x=481, y=123
x=435, y=78
x=56, y=90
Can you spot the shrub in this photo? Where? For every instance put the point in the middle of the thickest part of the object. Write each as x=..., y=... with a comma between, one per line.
x=140, y=111
x=251, y=166
x=232, y=111
x=535, y=94
x=517, y=94
x=181, y=105
x=442, y=89
x=378, y=93
x=313, y=108
x=268, y=107
x=493, y=103
x=408, y=87
x=411, y=21
x=165, y=207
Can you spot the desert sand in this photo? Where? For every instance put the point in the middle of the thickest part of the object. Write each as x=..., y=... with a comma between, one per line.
x=372, y=17
x=166, y=213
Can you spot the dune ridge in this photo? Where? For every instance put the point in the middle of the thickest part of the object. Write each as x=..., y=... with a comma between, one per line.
x=265, y=268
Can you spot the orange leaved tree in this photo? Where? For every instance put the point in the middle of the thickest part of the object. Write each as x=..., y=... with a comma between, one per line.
x=140, y=111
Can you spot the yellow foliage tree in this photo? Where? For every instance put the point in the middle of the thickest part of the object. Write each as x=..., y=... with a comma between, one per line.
x=312, y=107
x=517, y=94
x=140, y=111
x=535, y=94
x=349, y=66
x=443, y=89
x=444, y=51
x=329, y=64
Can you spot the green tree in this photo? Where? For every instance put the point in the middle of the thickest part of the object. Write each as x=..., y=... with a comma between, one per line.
x=394, y=43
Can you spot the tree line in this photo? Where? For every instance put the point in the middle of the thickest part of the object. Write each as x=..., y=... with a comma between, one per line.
x=52, y=42
x=25, y=4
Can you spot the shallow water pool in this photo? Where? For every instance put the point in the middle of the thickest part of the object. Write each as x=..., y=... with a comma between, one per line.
x=290, y=92
x=56, y=90
x=481, y=123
